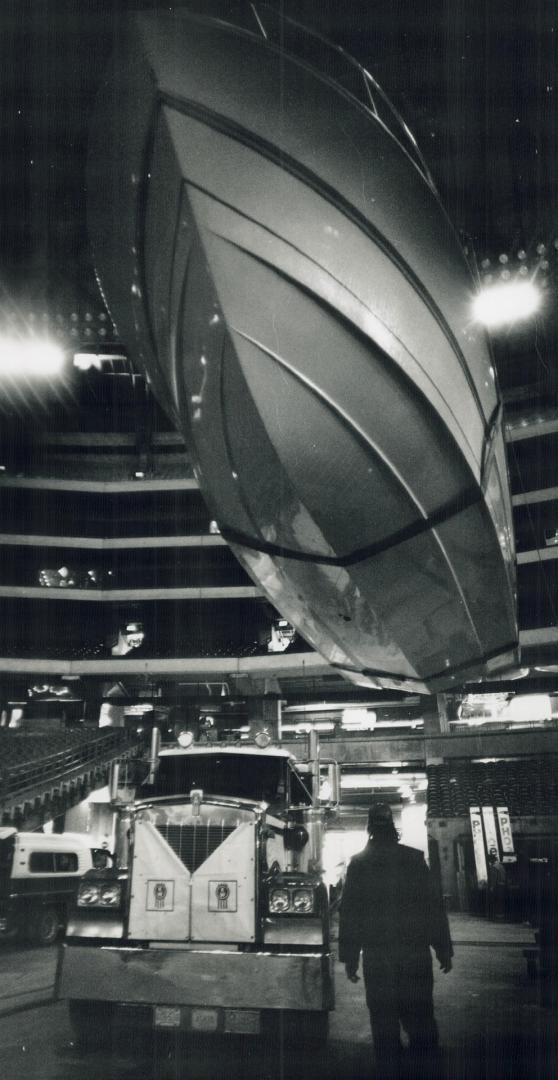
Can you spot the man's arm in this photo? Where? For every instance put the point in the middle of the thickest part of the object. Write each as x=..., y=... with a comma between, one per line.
x=439, y=931
x=349, y=923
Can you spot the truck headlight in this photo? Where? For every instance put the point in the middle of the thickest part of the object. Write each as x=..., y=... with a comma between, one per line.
x=278, y=901
x=110, y=894
x=303, y=900
x=99, y=894
x=88, y=894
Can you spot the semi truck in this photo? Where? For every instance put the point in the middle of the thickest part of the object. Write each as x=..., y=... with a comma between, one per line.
x=215, y=916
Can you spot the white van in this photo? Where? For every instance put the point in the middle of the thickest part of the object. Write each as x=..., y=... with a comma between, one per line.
x=39, y=874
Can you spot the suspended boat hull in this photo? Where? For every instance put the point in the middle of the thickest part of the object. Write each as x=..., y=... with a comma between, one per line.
x=278, y=263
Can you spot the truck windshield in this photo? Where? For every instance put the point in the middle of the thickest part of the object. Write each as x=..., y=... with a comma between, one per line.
x=241, y=776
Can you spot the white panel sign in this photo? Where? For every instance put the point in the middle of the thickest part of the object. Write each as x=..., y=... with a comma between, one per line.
x=224, y=892
x=490, y=833
x=159, y=905
x=506, y=835
x=478, y=844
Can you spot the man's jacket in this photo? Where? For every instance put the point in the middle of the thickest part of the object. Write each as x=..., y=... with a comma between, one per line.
x=391, y=903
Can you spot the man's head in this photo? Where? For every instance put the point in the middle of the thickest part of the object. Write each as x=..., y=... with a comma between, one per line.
x=380, y=822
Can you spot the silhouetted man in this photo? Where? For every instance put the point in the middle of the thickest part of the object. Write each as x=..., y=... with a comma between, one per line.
x=392, y=911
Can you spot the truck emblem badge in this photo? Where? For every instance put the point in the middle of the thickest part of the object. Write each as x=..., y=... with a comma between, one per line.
x=159, y=892
x=223, y=893
x=160, y=895
x=222, y=896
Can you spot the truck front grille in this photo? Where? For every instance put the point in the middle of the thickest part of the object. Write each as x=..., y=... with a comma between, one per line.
x=195, y=843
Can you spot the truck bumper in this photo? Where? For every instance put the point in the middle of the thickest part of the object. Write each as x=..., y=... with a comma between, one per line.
x=243, y=980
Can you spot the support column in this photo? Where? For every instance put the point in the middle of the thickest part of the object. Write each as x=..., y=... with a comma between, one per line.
x=264, y=714
x=436, y=723
x=435, y=716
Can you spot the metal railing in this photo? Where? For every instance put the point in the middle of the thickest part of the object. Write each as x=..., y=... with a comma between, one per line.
x=26, y=776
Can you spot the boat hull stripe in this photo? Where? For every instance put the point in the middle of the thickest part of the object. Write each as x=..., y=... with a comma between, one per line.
x=444, y=513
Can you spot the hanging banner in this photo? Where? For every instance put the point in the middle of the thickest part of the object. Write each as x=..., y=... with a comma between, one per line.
x=478, y=844
x=490, y=833
x=506, y=835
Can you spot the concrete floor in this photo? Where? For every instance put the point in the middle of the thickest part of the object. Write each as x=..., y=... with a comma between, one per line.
x=490, y=1013
x=492, y=1022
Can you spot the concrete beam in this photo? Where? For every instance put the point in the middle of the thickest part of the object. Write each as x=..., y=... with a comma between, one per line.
x=285, y=666
x=103, y=543
x=46, y=483
x=420, y=749
x=525, y=498
x=221, y=592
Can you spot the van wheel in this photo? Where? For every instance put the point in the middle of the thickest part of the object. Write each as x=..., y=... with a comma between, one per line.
x=46, y=926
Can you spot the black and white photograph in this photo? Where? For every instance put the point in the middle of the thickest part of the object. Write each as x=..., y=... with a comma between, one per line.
x=279, y=540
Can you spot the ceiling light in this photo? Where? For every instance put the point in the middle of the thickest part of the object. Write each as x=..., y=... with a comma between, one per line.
x=358, y=719
x=29, y=356
x=369, y=782
x=282, y=634
x=499, y=305
x=85, y=360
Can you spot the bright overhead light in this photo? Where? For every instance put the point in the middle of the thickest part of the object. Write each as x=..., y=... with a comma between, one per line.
x=29, y=356
x=499, y=305
x=358, y=719
x=364, y=782
x=84, y=361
